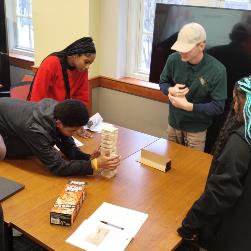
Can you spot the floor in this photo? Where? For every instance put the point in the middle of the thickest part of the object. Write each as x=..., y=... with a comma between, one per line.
x=22, y=243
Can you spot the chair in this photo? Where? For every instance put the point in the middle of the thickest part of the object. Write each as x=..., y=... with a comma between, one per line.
x=21, y=89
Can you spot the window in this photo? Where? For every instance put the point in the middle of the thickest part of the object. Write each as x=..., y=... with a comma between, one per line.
x=20, y=27
x=237, y=4
x=147, y=33
x=140, y=36
x=24, y=27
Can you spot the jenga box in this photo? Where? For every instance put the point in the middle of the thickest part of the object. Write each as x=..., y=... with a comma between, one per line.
x=68, y=204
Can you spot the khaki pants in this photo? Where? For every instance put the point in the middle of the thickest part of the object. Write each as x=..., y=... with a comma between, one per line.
x=194, y=140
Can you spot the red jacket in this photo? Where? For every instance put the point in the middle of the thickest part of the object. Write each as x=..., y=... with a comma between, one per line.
x=49, y=82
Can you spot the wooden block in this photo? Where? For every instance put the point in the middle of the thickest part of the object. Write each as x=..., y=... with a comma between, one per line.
x=155, y=160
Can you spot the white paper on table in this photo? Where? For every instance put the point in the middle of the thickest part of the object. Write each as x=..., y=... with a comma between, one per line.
x=98, y=128
x=95, y=123
x=95, y=236
x=77, y=142
x=128, y=219
x=128, y=223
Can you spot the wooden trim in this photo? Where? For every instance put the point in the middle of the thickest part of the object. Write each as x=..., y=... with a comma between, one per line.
x=131, y=86
x=34, y=69
x=128, y=85
x=93, y=83
x=21, y=61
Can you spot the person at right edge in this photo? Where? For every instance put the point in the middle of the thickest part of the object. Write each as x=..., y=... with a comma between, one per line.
x=2, y=232
x=196, y=85
x=220, y=219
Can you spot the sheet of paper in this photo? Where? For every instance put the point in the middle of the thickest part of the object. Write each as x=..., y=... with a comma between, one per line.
x=95, y=123
x=109, y=228
x=95, y=236
x=128, y=219
x=77, y=142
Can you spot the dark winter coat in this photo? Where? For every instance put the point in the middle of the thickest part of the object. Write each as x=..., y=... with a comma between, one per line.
x=29, y=128
x=221, y=217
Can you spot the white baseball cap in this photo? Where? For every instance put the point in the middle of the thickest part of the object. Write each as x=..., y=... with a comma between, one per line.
x=189, y=35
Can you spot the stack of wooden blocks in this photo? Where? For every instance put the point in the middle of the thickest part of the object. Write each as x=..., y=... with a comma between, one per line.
x=109, y=138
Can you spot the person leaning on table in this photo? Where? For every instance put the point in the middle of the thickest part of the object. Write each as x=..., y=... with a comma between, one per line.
x=33, y=128
x=64, y=74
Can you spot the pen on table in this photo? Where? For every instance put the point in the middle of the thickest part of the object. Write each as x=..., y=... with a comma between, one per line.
x=112, y=225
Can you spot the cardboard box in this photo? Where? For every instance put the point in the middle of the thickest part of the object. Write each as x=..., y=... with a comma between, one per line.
x=68, y=204
x=155, y=160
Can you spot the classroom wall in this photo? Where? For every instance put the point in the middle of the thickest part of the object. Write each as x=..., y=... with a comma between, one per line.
x=113, y=38
x=116, y=107
x=137, y=113
x=62, y=23
x=106, y=22
x=127, y=110
x=94, y=27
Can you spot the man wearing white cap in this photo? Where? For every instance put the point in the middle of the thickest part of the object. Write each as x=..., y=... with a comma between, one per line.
x=196, y=85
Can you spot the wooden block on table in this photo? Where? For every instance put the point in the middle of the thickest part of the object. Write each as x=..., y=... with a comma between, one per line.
x=155, y=160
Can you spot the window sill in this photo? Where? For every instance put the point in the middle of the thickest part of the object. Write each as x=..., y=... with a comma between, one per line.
x=127, y=85
x=131, y=86
x=21, y=61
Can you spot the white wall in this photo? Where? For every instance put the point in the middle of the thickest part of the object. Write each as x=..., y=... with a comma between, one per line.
x=113, y=36
x=116, y=107
x=127, y=110
x=131, y=111
x=58, y=23
x=106, y=21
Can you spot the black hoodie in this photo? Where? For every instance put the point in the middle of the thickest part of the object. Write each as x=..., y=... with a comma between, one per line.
x=29, y=128
x=221, y=217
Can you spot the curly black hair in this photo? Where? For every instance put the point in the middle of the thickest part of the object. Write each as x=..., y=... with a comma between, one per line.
x=231, y=123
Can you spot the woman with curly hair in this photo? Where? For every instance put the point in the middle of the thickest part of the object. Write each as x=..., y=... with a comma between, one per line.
x=220, y=219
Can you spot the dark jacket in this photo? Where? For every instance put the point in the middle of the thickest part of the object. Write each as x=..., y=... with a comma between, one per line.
x=222, y=216
x=30, y=129
x=2, y=232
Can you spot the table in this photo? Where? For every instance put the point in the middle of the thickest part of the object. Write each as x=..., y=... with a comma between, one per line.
x=129, y=142
x=41, y=185
x=165, y=197
x=38, y=183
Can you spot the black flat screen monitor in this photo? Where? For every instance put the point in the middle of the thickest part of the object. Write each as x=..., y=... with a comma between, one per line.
x=218, y=23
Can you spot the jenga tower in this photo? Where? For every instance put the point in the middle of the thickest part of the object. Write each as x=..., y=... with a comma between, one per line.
x=109, y=137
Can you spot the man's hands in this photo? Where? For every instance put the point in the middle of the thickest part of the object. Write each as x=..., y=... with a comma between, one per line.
x=95, y=154
x=179, y=90
x=178, y=99
x=106, y=161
